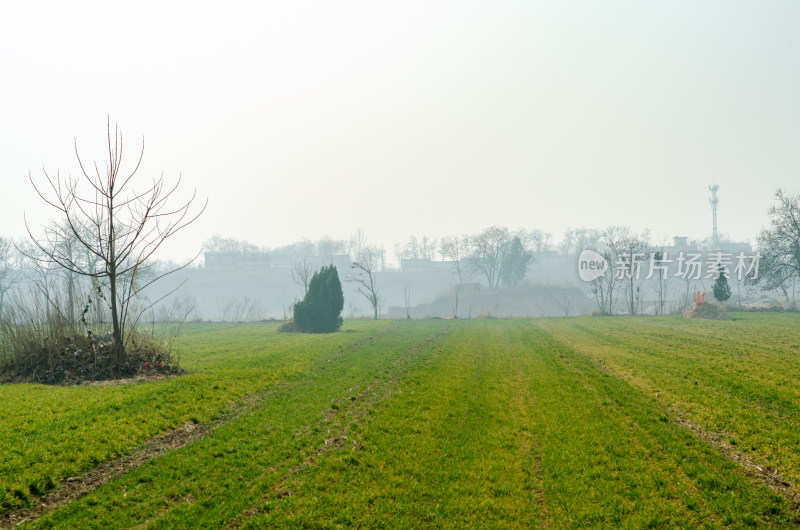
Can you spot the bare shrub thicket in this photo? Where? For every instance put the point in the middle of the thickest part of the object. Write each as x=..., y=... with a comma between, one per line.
x=247, y=309
x=39, y=344
x=108, y=229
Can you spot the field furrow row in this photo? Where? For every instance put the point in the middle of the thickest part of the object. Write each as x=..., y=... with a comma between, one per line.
x=564, y=423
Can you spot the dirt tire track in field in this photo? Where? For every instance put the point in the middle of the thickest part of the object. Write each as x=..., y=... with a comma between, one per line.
x=74, y=488
x=340, y=422
x=767, y=476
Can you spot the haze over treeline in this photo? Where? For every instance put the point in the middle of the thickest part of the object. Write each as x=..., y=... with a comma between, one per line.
x=496, y=271
x=412, y=125
x=311, y=118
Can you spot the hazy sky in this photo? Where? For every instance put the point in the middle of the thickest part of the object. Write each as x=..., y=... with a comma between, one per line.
x=302, y=119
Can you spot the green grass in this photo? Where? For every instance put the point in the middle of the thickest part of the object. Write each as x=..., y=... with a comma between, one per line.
x=493, y=423
x=507, y=427
x=739, y=380
x=50, y=433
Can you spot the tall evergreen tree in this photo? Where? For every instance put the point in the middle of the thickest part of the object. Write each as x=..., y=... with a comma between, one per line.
x=321, y=309
x=721, y=288
x=515, y=263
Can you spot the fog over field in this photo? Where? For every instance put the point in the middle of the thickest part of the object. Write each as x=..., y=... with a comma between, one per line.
x=307, y=119
x=381, y=264
x=310, y=121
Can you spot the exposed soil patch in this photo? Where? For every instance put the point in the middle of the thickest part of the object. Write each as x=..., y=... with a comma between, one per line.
x=144, y=378
x=339, y=422
x=766, y=475
x=74, y=488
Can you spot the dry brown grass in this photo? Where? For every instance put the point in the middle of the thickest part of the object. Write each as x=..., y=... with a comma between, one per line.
x=708, y=311
x=52, y=352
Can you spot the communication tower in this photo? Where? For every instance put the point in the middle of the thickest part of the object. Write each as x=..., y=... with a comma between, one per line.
x=714, y=200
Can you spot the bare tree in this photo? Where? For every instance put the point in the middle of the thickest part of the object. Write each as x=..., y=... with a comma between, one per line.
x=327, y=248
x=489, y=249
x=535, y=241
x=565, y=303
x=659, y=260
x=364, y=268
x=626, y=254
x=604, y=287
x=686, y=294
x=71, y=249
x=120, y=227
x=630, y=252
x=407, y=297
x=577, y=239
x=779, y=244
x=455, y=249
x=410, y=250
x=43, y=277
x=179, y=311
x=301, y=274
x=247, y=309
x=7, y=276
x=217, y=243
x=356, y=244
x=416, y=248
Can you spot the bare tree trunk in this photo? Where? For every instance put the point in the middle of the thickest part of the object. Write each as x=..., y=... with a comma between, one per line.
x=118, y=229
x=407, y=295
x=71, y=298
x=364, y=275
x=118, y=345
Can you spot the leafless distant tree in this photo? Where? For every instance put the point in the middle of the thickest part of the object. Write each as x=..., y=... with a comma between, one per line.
x=7, y=277
x=536, y=241
x=630, y=252
x=217, y=243
x=489, y=248
x=43, y=278
x=182, y=309
x=779, y=245
x=364, y=268
x=407, y=297
x=119, y=226
x=627, y=255
x=70, y=248
x=686, y=294
x=301, y=274
x=247, y=309
x=327, y=248
x=416, y=248
x=455, y=249
x=604, y=288
x=577, y=239
x=356, y=244
x=660, y=259
x=565, y=303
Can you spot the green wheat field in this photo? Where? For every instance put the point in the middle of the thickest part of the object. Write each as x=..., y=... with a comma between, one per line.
x=576, y=422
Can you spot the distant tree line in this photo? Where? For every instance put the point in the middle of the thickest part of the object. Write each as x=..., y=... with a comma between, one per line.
x=496, y=256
